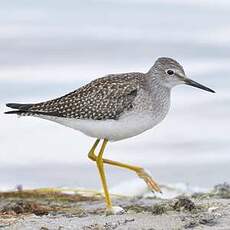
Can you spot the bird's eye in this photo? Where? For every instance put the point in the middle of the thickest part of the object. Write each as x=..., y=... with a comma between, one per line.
x=170, y=72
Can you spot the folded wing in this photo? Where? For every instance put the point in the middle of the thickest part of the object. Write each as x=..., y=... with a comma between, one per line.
x=101, y=99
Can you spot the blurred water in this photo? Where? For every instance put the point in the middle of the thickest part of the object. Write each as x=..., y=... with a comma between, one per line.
x=51, y=47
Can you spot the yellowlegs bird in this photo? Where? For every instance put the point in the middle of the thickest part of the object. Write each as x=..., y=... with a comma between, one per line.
x=113, y=108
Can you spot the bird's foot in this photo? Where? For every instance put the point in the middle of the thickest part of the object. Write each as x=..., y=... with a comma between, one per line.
x=114, y=210
x=146, y=176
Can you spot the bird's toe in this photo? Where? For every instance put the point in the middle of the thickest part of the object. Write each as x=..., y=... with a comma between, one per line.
x=115, y=210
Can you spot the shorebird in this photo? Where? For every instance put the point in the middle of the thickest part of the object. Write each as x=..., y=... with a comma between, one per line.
x=115, y=107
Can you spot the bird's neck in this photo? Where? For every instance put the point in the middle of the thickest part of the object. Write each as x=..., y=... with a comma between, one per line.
x=160, y=96
x=157, y=89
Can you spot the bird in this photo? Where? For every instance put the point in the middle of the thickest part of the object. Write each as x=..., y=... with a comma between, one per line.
x=115, y=107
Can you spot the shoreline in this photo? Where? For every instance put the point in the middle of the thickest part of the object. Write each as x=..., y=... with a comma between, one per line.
x=78, y=209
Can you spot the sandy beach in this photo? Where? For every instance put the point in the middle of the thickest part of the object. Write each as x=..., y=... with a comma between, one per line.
x=76, y=209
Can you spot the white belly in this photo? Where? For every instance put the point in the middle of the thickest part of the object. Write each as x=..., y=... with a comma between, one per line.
x=127, y=126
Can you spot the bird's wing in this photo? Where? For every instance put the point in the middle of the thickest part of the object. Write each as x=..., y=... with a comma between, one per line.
x=101, y=99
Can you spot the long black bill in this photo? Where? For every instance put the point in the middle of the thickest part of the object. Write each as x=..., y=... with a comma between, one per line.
x=197, y=85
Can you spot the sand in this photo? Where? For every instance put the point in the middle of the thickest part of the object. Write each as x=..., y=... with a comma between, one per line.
x=57, y=209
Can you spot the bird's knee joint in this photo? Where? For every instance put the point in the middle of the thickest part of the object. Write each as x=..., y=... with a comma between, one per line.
x=92, y=157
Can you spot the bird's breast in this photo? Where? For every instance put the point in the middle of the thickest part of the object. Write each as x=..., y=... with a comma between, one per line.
x=156, y=105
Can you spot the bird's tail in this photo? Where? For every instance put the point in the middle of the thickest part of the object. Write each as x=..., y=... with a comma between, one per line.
x=28, y=110
x=20, y=108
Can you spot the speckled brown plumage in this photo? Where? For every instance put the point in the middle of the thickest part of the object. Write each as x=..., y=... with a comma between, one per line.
x=104, y=98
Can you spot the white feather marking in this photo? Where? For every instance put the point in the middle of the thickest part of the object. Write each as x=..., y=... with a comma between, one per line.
x=129, y=125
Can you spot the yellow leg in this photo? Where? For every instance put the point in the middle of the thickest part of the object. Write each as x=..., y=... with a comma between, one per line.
x=100, y=166
x=139, y=171
x=92, y=150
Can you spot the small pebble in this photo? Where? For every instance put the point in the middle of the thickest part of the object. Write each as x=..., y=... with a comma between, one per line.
x=212, y=209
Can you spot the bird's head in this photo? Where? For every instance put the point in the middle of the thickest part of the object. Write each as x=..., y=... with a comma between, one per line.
x=170, y=73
